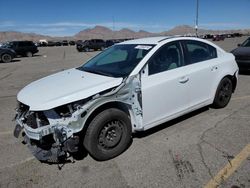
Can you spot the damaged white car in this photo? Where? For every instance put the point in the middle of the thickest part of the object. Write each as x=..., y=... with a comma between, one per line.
x=132, y=86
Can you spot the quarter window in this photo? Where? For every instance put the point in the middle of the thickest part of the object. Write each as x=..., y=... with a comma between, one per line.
x=166, y=58
x=199, y=51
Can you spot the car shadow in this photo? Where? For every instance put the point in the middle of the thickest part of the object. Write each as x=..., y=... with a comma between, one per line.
x=13, y=61
x=170, y=123
x=37, y=55
x=22, y=56
x=80, y=155
x=83, y=153
x=246, y=73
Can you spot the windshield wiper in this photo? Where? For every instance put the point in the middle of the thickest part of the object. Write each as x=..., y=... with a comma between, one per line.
x=96, y=71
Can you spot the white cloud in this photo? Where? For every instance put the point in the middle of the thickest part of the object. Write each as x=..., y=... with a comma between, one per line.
x=116, y=25
x=4, y=24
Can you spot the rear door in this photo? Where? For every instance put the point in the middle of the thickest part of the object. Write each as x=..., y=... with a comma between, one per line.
x=164, y=85
x=201, y=68
x=22, y=48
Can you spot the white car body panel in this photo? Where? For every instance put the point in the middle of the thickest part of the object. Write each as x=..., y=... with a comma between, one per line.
x=201, y=77
x=162, y=95
x=63, y=88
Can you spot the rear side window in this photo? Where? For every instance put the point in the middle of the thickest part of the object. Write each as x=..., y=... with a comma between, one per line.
x=199, y=51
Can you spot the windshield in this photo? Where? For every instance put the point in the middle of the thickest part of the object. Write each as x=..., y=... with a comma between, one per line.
x=117, y=61
x=246, y=43
x=7, y=45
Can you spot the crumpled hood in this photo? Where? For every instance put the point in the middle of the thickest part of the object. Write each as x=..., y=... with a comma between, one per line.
x=63, y=88
x=242, y=51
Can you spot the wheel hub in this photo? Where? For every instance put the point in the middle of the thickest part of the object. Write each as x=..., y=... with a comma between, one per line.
x=110, y=135
x=6, y=58
x=225, y=92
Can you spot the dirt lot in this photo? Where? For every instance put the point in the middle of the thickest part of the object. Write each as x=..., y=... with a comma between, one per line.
x=187, y=152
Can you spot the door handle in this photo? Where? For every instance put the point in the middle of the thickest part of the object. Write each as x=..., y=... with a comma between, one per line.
x=214, y=68
x=184, y=79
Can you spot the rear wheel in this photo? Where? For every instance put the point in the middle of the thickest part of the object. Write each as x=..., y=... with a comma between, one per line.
x=108, y=135
x=29, y=54
x=223, y=93
x=6, y=58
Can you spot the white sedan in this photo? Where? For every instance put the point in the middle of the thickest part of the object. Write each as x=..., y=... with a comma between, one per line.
x=130, y=87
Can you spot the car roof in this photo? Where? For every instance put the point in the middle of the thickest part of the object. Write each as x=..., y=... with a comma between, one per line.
x=163, y=39
x=148, y=40
x=158, y=40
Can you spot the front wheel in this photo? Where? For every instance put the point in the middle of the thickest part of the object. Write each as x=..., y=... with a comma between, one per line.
x=223, y=93
x=6, y=58
x=108, y=135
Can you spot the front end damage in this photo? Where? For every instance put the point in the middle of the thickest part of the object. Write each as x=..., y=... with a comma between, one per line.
x=47, y=133
x=53, y=135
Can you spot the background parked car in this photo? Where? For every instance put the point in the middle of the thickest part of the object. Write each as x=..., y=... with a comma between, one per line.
x=23, y=48
x=51, y=43
x=6, y=55
x=42, y=44
x=72, y=43
x=93, y=44
x=109, y=43
x=58, y=43
x=218, y=37
x=242, y=55
x=65, y=43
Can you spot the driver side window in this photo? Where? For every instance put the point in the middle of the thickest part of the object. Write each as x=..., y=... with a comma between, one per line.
x=166, y=58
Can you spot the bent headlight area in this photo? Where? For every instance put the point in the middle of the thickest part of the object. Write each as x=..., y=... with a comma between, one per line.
x=48, y=133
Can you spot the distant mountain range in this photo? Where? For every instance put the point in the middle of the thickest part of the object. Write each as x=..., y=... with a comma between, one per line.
x=100, y=32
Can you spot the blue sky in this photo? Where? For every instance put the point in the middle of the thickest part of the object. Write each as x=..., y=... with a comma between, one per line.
x=65, y=18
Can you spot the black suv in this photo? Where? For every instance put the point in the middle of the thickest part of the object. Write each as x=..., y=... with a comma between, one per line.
x=93, y=44
x=23, y=48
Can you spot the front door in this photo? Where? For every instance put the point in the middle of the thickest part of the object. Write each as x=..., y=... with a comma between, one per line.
x=164, y=86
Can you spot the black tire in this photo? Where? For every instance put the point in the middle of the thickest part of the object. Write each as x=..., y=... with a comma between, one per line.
x=29, y=54
x=108, y=135
x=6, y=58
x=223, y=93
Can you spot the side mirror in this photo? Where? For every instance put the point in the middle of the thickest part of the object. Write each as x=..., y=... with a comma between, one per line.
x=239, y=45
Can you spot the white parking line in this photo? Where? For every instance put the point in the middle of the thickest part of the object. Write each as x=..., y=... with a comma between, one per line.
x=230, y=168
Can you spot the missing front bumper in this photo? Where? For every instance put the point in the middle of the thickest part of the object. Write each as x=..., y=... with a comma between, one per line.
x=49, y=150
